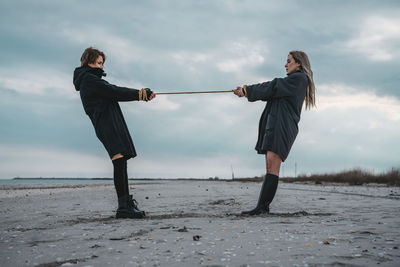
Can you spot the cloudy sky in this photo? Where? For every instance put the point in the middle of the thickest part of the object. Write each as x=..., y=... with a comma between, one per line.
x=354, y=49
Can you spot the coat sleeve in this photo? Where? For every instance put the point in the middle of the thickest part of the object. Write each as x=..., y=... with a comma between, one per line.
x=261, y=91
x=278, y=87
x=104, y=89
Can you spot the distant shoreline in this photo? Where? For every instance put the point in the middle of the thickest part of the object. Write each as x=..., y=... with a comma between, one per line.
x=108, y=179
x=350, y=177
x=54, y=178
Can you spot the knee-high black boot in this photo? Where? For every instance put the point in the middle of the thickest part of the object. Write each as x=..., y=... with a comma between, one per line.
x=119, y=177
x=267, y=194
x=126, y=205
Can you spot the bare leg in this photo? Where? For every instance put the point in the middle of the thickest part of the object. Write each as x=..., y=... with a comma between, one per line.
x=117, y=156
x=273, y=163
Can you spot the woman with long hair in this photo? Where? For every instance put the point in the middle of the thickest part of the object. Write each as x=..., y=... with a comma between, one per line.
x=100, y=102
x=278, y=125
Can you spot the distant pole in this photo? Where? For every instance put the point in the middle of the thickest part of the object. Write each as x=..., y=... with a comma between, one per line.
x=233, y=175
x=295, y=170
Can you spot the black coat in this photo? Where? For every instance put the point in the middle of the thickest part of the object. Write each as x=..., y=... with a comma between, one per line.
x=278, y=125
x=100, y=101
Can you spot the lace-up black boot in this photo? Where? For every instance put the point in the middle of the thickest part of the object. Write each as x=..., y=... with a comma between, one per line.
x=134, y=205
x=125, y=211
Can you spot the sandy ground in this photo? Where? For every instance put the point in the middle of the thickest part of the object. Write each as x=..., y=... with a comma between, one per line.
x=309, y=225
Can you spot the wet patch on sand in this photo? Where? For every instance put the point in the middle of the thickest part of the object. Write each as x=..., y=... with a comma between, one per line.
x=90, y=220
x=103, y=220
x=132, y=235
x=289, y=214
x=180, y=215
x=233, y=215
x=335, y=264
x=183, y=215
x=22, y=229
x=380, y=258
x=229, y=202
x=37, y=242
x=66, y=262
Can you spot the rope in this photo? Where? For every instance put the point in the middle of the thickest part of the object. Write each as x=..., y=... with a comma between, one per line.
x=144, y=97
x=195, y=92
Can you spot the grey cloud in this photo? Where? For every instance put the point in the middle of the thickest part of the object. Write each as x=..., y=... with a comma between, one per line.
x=33, y=31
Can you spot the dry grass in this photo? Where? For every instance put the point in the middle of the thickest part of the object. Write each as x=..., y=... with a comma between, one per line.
x=351, y=177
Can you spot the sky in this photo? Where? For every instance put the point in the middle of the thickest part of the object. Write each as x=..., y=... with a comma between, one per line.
x=353, y=46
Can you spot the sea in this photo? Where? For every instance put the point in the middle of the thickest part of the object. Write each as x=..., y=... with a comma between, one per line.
x=63, y=181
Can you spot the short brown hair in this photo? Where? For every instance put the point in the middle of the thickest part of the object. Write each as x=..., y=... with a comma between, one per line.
x=90, y=55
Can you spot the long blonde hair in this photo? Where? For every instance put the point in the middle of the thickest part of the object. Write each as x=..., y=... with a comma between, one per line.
x=302, y=58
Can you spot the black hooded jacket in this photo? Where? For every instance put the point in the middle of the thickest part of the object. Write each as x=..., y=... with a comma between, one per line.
x=278, y=126
x=100, y=101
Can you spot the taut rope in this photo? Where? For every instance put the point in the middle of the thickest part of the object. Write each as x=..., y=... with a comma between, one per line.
x=144, y=97
x=195, y=92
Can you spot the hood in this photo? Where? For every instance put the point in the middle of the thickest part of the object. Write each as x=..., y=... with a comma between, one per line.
x=80, y=72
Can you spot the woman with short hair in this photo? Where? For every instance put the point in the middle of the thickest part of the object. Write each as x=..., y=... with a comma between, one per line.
x=100, y=102
x=278, y=125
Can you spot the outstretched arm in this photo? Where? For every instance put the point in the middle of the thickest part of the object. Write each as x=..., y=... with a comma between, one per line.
x=114, y=92
x=278, y=87
x=260, y=91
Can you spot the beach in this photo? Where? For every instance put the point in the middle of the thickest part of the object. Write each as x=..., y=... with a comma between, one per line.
x=195, y=223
